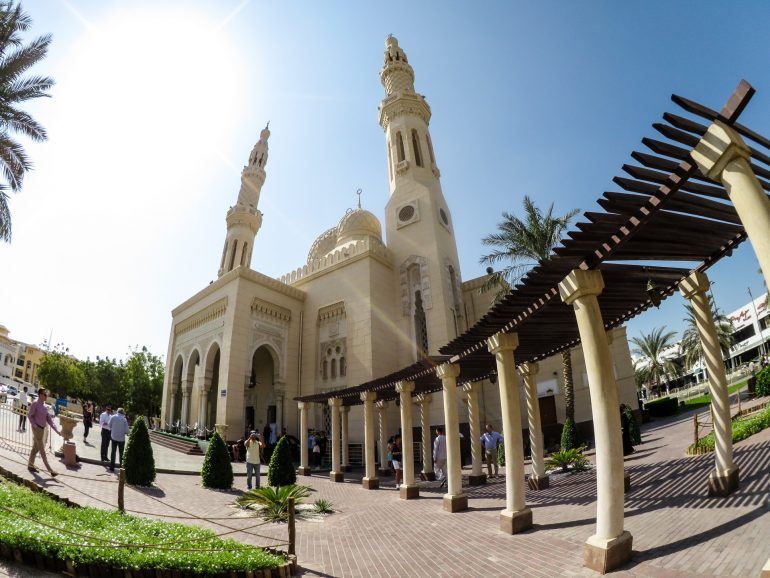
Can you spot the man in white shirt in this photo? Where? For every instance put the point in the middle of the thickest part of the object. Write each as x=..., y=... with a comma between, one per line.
x=23, y=405
x=439, y=454
x=118, y=430
x=490, y=439
x=104, y=423
x=253, y=445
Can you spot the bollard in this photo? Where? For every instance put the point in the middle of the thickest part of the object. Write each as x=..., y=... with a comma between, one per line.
x=121, y=488
x=292, y=533
x=695, y=432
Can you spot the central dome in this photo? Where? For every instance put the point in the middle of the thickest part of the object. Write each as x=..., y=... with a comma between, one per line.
x=356, y=224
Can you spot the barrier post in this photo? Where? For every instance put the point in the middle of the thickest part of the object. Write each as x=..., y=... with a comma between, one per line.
x=695, y=432
x=121, y=488
x=292, y=532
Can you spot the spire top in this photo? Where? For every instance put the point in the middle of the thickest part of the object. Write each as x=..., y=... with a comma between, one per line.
x=358, y=192
x=396, y=74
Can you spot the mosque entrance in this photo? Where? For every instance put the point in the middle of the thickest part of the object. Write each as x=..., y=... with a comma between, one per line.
x=261, y=405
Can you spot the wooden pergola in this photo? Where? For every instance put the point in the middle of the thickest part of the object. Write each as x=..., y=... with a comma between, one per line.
x=666, y=211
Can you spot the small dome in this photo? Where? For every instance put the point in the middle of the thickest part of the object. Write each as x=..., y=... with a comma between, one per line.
x=358, y=223
x=324, y=244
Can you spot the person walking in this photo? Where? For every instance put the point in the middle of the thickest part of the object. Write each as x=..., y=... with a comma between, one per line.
x=118, y=431
x=104, y=424
x=253, y=444
x=439, y=455
x=38, y=418
x=490, y=440
x=23, y=406
x=88, y=420
x=396, y=456
x=317, y=453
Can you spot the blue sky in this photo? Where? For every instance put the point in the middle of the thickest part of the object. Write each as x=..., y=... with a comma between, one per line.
x=158, y=104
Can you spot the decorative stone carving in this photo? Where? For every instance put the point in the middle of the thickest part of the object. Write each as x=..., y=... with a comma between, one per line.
x=205, y=315
x=406, y=294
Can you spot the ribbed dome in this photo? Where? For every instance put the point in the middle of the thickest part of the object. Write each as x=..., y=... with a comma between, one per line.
x=358, y=223
x=324, y=244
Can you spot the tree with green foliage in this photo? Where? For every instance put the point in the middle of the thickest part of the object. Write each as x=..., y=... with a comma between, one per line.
x=281, y=472
x=690, y=345
x=143, y=382
x=61, y=373
x=138, y=460
x=655, y=367
x=569, y=435
x=16, y=59
x=217, y=471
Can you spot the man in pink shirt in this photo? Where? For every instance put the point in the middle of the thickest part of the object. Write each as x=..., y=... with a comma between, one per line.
x=38, y=417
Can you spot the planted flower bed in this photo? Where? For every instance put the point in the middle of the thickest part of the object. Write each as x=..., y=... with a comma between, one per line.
x=742, y=429
x=39, y=531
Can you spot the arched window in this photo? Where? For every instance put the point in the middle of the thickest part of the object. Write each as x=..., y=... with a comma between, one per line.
x=456, y=304
x=325, y=369
x=334, y=368
x=343, y=367
x=243, y=254
x=224, y=254
x=390, y=163
x=232, y=255
x=416, y=147
x=420, y=326
x=400, y=147
x=430, y=149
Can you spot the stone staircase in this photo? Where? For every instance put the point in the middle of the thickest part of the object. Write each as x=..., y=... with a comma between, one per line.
x=189, y=447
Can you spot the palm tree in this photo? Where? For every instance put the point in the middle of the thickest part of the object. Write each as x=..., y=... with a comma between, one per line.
x=655, y=367
x=691, y=346
x=16, y=58
x=520, y=244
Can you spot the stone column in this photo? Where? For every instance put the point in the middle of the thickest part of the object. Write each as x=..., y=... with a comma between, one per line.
x=370, y=481
x=186, y=391
x=172, y=407
x=454, y=499
x=335, y=403
x=722, y=155
x=724, y=479
x=427, y=450
x=610, y=546
x=409, y=489
x=279, y=389
x=516, y=517
x=345, y=414
x=538, y=480
x=382, y=414
x=477, y=476
x=202, y=396
x=304, y=465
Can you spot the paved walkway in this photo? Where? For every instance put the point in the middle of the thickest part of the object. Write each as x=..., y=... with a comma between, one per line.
x=677, y=529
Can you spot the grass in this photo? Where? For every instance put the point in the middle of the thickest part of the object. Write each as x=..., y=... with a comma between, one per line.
x=110, y=538
x=704, y=400
x=742, y=429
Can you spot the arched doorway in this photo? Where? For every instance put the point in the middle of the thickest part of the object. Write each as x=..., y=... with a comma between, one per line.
x=212, y=369
x=176, y=391
x=260, y=406
x=189, y=417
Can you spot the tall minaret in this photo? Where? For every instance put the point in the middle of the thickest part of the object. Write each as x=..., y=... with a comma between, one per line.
x=418, y=222
x=244, y=219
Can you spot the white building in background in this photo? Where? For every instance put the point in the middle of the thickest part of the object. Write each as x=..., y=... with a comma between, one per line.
x=751, y=331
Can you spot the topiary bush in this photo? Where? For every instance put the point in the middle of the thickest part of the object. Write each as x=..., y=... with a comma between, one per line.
x=569, y=435
x=662, y=407
x=280, y=471
x=633, y=426
x=501, y=454
x=138, y=460
x=763, y=382
x=217, y=471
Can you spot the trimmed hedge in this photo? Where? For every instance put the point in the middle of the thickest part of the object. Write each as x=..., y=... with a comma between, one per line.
x=763, y=382
x=569, y=435
x=662, y=407
x=742, y=429
x=217, y=471
x=138, y=459
x=178, y=547
x=281, y=472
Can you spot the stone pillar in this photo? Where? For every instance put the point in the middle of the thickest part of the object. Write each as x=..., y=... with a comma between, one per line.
x=454, y=499
x=186, y=391
x=427, y=450
x=724, y=479
x=304, y=465
x=477, y=476
x=370, y=481
x=279, y=389
x=409, y=489
x=172, y=407
x=516, y=517
x=382, y=414
x=538, y=480
x=723, y=156
x=345, y=415
x=202, y=399
x=335, y=403
x=610, y=546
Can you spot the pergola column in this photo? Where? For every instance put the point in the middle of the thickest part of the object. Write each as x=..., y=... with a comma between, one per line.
x=477, y=476
x=724, y=479
x=345, y=414
x=610, y=546
x=409, y=489
x=516, y=517
x=454, y=499
x=382, y=414
x=304, y=466
x=538, y=479
x=722, y=155
x=423, y=401
x=370, y=481
x=335, y=403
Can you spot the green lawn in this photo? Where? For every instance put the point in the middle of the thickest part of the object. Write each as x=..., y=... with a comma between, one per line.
x=33, y=522
x=704, y=400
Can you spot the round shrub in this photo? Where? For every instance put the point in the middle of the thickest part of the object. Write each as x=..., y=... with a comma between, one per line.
x=281, y=472
x=569, y=435
x=138, y=460
x=763, y=382
x=662, y=407
x=217, y=470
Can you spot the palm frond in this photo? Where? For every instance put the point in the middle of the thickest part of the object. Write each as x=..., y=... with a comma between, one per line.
x=13, y=160
x=5, y=217
x=21, y=122
x=22, y=58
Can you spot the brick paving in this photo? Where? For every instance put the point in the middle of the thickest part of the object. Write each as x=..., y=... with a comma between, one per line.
x=677, y=529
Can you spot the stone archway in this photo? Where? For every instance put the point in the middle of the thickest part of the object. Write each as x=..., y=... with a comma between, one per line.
x=175, y=403
x=193, y=367
x=260, y=399
x=211, y=388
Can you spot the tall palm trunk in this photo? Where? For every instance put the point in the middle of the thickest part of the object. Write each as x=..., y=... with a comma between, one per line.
x=569, y=389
